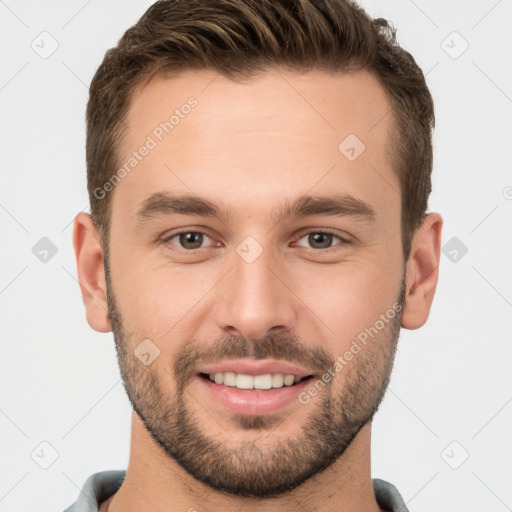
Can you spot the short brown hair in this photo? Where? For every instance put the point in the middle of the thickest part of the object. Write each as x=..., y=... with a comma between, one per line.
x=237, y=38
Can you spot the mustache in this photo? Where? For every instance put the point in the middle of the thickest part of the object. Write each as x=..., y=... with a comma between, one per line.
x=274, y=346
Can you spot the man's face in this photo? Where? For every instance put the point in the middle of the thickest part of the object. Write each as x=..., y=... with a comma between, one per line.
x=249, y=292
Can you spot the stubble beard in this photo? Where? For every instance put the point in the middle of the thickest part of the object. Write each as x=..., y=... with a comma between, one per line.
x=260, y=467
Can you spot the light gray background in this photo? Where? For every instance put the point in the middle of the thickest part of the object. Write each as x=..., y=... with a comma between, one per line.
x=59, y=379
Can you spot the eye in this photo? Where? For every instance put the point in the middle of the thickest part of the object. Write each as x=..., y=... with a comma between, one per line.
x=194, y=240
x=188, y=240
x=322, y=239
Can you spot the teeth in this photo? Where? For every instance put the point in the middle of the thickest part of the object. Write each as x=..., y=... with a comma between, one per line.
x=243, y=381
x=229, y=379
x=288, y=380
x=263, y=381
x=277, y=380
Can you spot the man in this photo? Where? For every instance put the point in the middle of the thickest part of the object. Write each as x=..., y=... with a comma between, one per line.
x=259, y=173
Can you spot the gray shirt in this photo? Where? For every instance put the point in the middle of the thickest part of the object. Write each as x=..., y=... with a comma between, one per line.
x=102, y=485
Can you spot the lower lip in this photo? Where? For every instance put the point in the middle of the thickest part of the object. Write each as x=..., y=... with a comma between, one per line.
x=252, y=402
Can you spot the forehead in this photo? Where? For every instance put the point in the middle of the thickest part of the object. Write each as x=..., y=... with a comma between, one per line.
x=277, y=131
x=336, y=102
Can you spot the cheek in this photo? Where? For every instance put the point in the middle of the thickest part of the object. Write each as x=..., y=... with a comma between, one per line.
x=155, y=300
x=347, y=299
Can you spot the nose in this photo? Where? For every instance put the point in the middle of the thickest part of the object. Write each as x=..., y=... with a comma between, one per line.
x=255, y=299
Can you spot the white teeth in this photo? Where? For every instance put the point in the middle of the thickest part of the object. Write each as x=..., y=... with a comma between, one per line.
x=277, y=380
x=229, y=379
x=244, y=381
x=263, y=381
x=259, y=382
x=288, y=380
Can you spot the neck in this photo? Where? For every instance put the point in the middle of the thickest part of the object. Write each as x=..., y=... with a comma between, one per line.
x=156, y=483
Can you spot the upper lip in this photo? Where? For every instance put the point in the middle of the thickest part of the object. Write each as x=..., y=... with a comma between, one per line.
x=251, y=367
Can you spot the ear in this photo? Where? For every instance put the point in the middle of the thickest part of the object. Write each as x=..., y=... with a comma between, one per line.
x=91, y=272
x=422, y=271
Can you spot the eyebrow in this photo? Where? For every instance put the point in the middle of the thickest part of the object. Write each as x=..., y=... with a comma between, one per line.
x=335, y=205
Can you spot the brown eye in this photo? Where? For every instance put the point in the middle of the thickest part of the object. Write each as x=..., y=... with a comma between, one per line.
x=189, y=240
x=321, y=240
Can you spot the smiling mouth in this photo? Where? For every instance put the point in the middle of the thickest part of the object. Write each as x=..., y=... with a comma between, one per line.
x=254, y=382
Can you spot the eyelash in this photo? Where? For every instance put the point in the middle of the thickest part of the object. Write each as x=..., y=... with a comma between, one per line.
x=344, y=241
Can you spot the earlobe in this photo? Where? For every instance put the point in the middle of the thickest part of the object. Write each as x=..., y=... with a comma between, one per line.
x=422, y=272
x=91, y=272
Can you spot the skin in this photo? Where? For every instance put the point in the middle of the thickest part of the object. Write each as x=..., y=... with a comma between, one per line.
x=251, y=146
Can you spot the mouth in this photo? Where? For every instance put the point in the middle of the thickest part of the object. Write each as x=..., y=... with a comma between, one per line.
x=254, y=387
x=260, y=382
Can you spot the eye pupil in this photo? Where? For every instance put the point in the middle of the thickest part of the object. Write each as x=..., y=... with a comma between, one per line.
x=324, y=239
x=195, y=239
